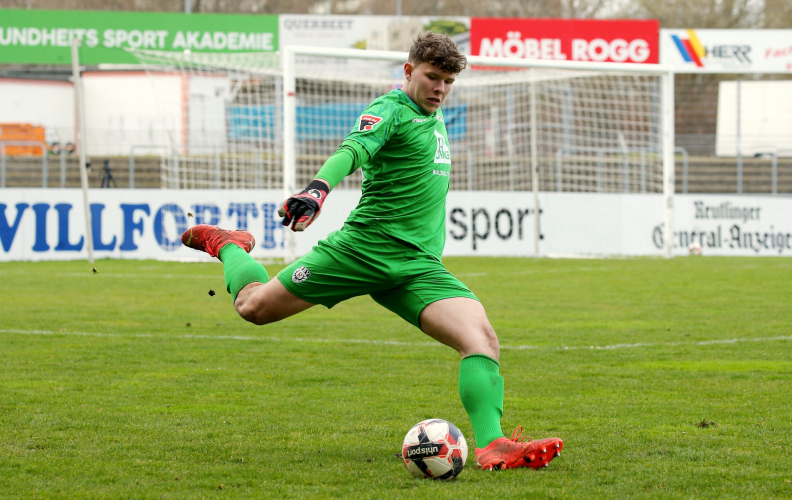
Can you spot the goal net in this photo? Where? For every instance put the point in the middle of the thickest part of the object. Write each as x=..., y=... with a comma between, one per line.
x=229, y=130
x=257, y=121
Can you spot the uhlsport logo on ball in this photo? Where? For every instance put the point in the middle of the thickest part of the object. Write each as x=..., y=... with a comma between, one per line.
x=434, y=449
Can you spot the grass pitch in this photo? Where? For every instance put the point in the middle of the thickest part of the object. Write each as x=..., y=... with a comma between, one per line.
x=666, y=379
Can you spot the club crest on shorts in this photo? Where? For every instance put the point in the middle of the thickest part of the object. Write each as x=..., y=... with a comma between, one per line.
x=301, y=274
x=367, y=122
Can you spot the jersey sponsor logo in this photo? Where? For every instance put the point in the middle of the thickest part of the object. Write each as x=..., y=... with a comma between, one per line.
x=301, y=274
x=442, y=153
x=367, y=122
x=420, y=120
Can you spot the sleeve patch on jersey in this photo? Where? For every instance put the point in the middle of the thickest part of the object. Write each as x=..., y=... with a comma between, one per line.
x=367, y=122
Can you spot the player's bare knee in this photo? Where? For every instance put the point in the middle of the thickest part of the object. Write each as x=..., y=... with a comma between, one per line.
x=251, y=312
x=490, y=338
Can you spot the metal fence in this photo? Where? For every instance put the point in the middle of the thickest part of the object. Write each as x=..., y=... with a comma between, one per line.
x=699, y=168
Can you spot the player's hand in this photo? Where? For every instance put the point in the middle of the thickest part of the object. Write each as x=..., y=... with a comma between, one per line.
x=300, y=210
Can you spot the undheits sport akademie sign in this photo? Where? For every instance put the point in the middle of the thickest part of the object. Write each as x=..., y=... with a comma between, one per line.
x=44, y=36
x=566, y=39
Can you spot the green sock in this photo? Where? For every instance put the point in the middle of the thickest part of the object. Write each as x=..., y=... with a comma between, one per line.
x=481, y=390
x=240, y=269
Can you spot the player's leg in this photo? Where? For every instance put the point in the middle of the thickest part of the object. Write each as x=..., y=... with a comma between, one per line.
x=256, y=299
x=264, y=303
x=445, y=309
x=461, y=323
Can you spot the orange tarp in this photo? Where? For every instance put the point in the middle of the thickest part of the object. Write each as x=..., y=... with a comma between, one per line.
x=22, y=132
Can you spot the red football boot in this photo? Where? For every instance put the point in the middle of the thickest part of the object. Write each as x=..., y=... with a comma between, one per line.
x=211, y=239
x=512, y=453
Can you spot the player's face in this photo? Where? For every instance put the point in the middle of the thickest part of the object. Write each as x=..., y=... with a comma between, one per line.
x=427, y=85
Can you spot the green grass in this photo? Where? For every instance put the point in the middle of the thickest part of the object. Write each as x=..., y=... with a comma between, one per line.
x=136, y=383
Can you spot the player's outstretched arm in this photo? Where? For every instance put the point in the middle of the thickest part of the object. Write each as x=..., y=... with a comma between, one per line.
x=300, y=210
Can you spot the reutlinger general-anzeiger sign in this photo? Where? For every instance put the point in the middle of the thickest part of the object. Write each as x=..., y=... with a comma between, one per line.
x=44, y=36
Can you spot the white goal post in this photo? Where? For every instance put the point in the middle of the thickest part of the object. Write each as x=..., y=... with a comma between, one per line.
x=591, y=127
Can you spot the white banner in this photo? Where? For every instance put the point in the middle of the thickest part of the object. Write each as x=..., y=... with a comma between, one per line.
x=368, y=32
x=763, y=117
x=47, y=224
x=726, y=51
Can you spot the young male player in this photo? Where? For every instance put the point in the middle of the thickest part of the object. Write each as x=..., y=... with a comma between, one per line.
x=390, y=246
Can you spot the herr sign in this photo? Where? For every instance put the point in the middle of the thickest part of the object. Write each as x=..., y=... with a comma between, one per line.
x=44, y=36
x=726, y=51
x=566, y=39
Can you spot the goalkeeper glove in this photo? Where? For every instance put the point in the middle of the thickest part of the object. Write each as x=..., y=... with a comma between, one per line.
x=300, y=210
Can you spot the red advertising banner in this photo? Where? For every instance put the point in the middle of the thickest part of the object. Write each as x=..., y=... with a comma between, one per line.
x=566, y=39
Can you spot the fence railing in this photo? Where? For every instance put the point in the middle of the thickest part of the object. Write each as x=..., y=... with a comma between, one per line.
x=770, y=173
x=132, y=158
x=36, y=144
x=774, y=168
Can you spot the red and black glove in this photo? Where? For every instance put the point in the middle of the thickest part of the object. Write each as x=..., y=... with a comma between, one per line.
x=300, y=210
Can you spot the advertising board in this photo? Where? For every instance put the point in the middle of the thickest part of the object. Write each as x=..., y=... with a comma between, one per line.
x=368, y=32
x=726, y=51
x=44, y=36
x=48, y=224
x=566, y=39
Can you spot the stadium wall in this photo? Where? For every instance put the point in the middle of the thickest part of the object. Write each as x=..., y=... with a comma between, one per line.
x=47, y=224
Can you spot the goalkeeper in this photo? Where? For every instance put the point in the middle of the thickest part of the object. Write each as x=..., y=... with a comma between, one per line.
x=390, y=246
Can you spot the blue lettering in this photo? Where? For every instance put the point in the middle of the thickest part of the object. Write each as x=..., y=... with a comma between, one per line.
x=96, y=228
x=271, y=224
x=242, y=210
x=41, y=209
x=130, y=226
x=159, y=227
x=214, y=214
x=7, y=233
x=63, y=245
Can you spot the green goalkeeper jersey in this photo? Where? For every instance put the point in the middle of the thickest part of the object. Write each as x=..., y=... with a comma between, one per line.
x=406, y=179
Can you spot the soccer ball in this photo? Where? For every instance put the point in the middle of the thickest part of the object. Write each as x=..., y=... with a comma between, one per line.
x=434, y=449
x=694, y=248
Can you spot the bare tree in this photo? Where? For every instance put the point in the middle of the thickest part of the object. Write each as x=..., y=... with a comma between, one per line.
x=494, y=8
x=777, y=14
x=717, y=14
x=671, y=13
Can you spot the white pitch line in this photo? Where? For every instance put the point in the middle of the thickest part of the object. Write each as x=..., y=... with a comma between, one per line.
x=533, y=271
x=88, y=273
x=219, y=275
x=396, y=342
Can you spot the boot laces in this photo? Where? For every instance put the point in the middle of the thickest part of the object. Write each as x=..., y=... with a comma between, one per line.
x=517, y=435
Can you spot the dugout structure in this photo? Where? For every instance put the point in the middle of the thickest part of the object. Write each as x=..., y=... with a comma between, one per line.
x=257, y=121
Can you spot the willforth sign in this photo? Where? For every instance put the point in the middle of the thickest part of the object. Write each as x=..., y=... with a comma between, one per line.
x=47, y=224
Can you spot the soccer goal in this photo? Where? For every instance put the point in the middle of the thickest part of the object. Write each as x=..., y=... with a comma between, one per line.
x=513, y=124
x=270, y=121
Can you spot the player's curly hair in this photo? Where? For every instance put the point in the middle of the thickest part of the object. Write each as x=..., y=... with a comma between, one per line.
x=437, y=50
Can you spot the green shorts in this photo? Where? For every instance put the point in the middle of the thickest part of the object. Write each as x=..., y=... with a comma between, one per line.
x=360, y=260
